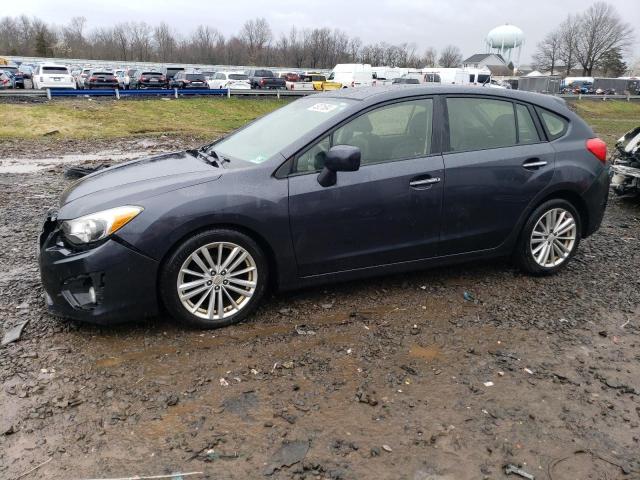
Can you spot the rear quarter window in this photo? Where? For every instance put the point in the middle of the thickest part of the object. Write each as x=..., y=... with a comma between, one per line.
x=555, y=125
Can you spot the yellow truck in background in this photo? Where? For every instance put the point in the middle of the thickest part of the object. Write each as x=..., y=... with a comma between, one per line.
x=4, y=61
x=320, y=82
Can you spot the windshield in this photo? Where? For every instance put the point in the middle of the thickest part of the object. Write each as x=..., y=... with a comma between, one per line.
x=272, y=133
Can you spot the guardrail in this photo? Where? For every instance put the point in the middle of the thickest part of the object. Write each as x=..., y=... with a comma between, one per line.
x=172, y=92
x=177, y=93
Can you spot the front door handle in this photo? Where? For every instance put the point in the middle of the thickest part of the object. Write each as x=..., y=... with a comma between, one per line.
x=534, y=163
x=424, y=182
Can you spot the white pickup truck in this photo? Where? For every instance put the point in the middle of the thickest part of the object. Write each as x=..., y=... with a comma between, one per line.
x=294, y=81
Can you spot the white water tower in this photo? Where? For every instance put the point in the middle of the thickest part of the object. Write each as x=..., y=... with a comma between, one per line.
x=506, y=40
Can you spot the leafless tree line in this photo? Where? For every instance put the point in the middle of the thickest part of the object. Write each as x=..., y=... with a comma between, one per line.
x=254, y=44
x=593, y=40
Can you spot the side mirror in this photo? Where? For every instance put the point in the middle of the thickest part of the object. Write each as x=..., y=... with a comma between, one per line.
x=341, y=158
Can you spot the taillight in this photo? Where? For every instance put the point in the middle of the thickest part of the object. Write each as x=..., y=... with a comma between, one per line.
x=293, y=86
x=262, y=81
x=598, y=148
x=92, y=79
x=143, y=78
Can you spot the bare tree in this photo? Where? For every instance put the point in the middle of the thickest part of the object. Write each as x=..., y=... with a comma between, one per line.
x=430, y=57
x=546, y=57
x=602, y=30
x=569, y=32
x=257, y=35
x=165, y=42
x=450, y=57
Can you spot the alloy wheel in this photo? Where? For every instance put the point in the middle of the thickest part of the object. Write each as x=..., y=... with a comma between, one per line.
x=217, y=280
x=553, y=237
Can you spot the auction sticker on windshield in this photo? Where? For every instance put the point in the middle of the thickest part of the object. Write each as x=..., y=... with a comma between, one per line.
x=322, y=107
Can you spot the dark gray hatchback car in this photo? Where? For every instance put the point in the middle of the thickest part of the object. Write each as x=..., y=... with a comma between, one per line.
x=335, y=186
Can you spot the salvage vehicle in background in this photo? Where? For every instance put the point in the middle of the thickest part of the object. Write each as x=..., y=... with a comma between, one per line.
x=265, y=79
x=80, y=78
x=232, y=80
x=6, y=80
x=188, y=80
x=320, y=82
x=295, y=81
x=626, y=164
x=100, y=79
x=16, y=75
x=170, y=72
x=147, y=79
x=336, y=186
x=51, y=75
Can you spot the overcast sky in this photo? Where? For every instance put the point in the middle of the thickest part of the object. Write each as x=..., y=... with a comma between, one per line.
x=424, y=22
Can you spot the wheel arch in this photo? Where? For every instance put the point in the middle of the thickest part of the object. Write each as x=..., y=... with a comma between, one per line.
x=574, y=199
x=255, y=236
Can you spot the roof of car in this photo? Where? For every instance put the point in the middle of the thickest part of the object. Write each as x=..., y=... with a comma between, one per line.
x=390, y=92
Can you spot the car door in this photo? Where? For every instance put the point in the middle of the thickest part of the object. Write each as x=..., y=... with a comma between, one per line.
x=496, y=161
x=386, y=212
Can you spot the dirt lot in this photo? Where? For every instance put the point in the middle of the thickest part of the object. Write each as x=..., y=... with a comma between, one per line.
x=445, y=374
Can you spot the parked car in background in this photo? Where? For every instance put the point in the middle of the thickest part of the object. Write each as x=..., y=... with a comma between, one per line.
x=148, y=79
x=320, y=82
x=170, y=72
x=208, y=74
x=295, y=81
x=51, y=75
x=6, y=80
x=232, y=80
x=80, y=78
x=127, y=77
x=265, y=79
x=16, y=74
x=26, y=70
x=334, y=186
x=352, y=75
x=188, y=80
x=100, y=79
x=120, y=74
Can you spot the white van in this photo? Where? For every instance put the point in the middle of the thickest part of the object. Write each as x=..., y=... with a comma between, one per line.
x=445, y=76
x=352, y=75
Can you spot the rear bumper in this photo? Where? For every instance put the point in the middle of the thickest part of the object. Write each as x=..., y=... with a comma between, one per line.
x=108, y=284
x=596, y=198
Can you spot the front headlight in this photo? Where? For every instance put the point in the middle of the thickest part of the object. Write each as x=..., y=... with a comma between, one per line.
x=99, y=225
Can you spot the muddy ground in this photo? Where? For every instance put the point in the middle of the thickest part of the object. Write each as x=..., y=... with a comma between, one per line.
x=443, y=374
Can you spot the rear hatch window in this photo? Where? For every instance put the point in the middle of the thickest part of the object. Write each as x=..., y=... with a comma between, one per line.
x=238, y=76
x=198, y=77
x=152, y=74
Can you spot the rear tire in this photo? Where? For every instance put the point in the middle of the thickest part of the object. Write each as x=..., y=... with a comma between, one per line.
x=213, y=279
x=549, y=238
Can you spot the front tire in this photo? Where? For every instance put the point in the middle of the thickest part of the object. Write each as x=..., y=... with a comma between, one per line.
x=549, y=238
x=213, y=279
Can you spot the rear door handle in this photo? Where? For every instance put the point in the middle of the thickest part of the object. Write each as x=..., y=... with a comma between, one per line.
x=424, y=182
x=534, y=163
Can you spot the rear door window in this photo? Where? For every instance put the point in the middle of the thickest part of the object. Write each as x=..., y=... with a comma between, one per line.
x=555, y=125
x=477, y=123
x=527, y=132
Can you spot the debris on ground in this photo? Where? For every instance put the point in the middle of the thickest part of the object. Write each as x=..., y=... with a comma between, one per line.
x=304, y=330
x=515, y=470
x=14, y=334
x=287, y=455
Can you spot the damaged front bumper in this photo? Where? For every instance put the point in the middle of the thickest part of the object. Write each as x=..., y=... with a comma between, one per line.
x=626, y=179
x=104, y=284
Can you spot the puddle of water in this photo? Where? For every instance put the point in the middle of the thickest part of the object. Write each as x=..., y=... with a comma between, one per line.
x=32, y=165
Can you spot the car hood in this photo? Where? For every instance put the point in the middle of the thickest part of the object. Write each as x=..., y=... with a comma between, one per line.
x=132, y=182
